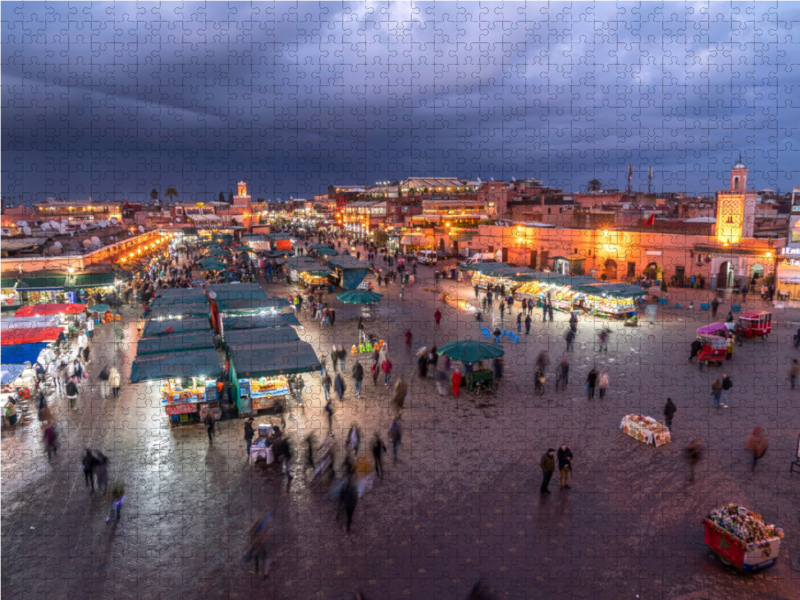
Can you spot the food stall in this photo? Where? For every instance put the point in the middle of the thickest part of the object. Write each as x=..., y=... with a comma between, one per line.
x=32, y=335
x=348, y=271
x=308, y=272
x=187, y=309
x=42, y=288
x=219, y=294
x=50, y=309
x=188, y=387
x=259, y=321
x=12, y=323
x=160, y=326
x=8, y=293
x=611, y=300
x=239, y=339
x=260, y=373
x=645, y=429
x=280, y=242
x=196, y=340
x=19, y=354
x=741, y=538
x=82, y=285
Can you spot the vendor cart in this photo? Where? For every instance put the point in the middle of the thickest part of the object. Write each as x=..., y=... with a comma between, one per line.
x=480, y=381
x=716, y=330
x=755, y=323
x=756, y=553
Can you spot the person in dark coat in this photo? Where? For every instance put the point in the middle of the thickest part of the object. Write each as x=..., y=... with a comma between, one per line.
x=548, y=465
x=528, y=325
x=358, y=377
x=694, y=452
x=422, y=365
x=348, y=496
x=88, y=464
x=378, y=448
x=209, y=422
x=669, y=411
x=696, y=346
x=498, y=369
x=339, y=386
x=249, y=432
x=564, y=456
x=714, y=307
x=591, y=382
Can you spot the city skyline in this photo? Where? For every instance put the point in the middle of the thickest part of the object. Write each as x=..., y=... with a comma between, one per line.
x=299, y=97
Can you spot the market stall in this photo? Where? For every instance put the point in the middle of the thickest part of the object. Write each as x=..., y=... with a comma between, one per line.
x=645, y=429
x=259, y=321
x=260, y=373
x=10, y=373
x=612, y=300
x=19, y=354
x=154, y=327
x=12, y=323
x=219, y=294
x=188, y=382
x=42, y=289
x=500, y=274
x=349, y=271
x=32, y=335
x=50, y=309
x=741, y=538
x=196, y=340
x=82, y=285
x=241, y=339
x=186, y=309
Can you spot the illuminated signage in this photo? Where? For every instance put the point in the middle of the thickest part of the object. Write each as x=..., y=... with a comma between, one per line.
x=790, y=251
x=796, y=209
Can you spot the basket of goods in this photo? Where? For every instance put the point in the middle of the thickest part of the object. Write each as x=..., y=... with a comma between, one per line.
x=741, y=538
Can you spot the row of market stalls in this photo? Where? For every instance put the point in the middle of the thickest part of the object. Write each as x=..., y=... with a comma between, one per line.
x=55, y=288
x=34, y=334
x=565, y=292
x=260, y=350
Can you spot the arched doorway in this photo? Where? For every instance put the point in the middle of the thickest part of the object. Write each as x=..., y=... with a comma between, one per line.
x=756, y=271
x=610, y=269
x=654, y=271
x=725, y=276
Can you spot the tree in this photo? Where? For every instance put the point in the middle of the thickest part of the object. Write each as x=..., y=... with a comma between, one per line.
x=663, y=286
x=230, y=197
x=154, y=194
x=221, y=197
x=595, y=185
x=171, y=193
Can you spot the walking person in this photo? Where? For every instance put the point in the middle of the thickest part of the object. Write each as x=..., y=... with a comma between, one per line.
x=408, y=339
x=71, y=390
x=602, y=383
x=714, y=307
x=375, y=371
x=456, y=381
x=339, y=386
x=716, y=392
x=87, y=464
x=210, y=423
x=756, y=444
x=386, y=367
x=591, y=382
x=693, y=453
x=528, y=325
x=101, y=471
x=326, y=386
x=378, y=448
x=249, y=432
x=348, y=497
x=548, y=465
x=727, y=384
x=550, y=311
x=519, y=322
x=396, y=436
x=104, y=385
x=329, y=413
x=50, y=440
x=570, y=338
x=437, y=317
x=794, y=371
x=358, y=377
x=669, y=412
x=564, y=456
x=115, y=380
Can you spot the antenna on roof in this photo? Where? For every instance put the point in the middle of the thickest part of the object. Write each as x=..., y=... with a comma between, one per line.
x=650, y=180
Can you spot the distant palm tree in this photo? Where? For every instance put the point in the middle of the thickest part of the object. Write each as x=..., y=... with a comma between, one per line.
x=171, y=193
x=154, y=194
x=595, y=185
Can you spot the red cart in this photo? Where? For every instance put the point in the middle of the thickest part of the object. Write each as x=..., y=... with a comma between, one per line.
x=755, y=323
x=735, y=552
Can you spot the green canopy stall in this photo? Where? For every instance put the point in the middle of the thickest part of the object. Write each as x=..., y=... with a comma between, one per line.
x=162, y=344
x=184, y=309
x=188, y=382
x=261, y=373
x=171, y=326
x=231, y=322
x=239, y=339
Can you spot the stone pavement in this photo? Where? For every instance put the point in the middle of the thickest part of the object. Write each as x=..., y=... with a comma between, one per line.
x=463, y=500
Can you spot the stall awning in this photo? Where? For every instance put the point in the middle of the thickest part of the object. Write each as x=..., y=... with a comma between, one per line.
x=49, y=309
x=8, y=373
x=163, y=344
x=230, y=323
x=32, y=283
x=239, y=339
x=189, y=231
x=189, y=296
x=236, y=291
x=253, y=305
x=614, y=290
x=197, y=363
x=31, y=335
x=22, y=353
x=86, y=280
x=185, y=309
x=172, y=326
x=7, y=283
x=27, y=322
x=268, y=360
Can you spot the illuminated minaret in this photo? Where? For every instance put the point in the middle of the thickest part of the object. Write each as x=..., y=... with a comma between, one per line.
x=736, y=208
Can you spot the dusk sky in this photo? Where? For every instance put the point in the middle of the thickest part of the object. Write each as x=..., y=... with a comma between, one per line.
x=114, y=99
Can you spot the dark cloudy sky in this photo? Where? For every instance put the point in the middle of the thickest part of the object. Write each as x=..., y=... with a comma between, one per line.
x=114, y=99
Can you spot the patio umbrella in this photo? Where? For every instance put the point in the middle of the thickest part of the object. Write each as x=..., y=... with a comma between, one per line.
x=214, y=265
x=326, y=252
x=100, y=308
x=359, y=297
x=218, y=252
x=470, y=351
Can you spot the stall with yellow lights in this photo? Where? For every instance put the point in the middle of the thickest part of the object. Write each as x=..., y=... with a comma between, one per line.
x=187, y=382
x=611, y=300
x=559, y=289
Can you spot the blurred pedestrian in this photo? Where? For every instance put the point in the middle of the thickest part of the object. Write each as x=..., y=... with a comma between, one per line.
x=408, y=338
x=548, y=465
x=669, y=412
x=396, y=436
x=378, y=448
x=348, y=497
x=329, y=413
x=386, y=367
x=115, y=495
x=794, y=371
x=105, y=373
x=716, y=392
x=358, y=377
x=562, y=373
x=437, y=317
x=570, y=339
x=456, y=380
x=249, y=432
x=50, y=440
x=564, y=456
x=326, y=386
x=101, y=471
x=441, y=382
x=756, y=444
x=115, y=380
x=694, y=453
x=591, y=382
x=210, y=424
x=727, y=384
x=400, y=395
x=88, y=463
x=602, y=383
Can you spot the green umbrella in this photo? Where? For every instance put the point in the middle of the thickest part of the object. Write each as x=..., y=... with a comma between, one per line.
x=359, y=297
x=326, y=252
x=470, y=351
x=100, y=308
x=217, y=252
x=212, y=266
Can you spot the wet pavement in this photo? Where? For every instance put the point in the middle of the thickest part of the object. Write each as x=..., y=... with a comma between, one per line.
x=463, y=500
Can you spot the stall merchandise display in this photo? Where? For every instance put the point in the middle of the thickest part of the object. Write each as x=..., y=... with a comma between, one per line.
x=264, y=389
x=611, y=306
x=645, y=429
x=741, y=538
x=483, y=280
x=365, y=347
